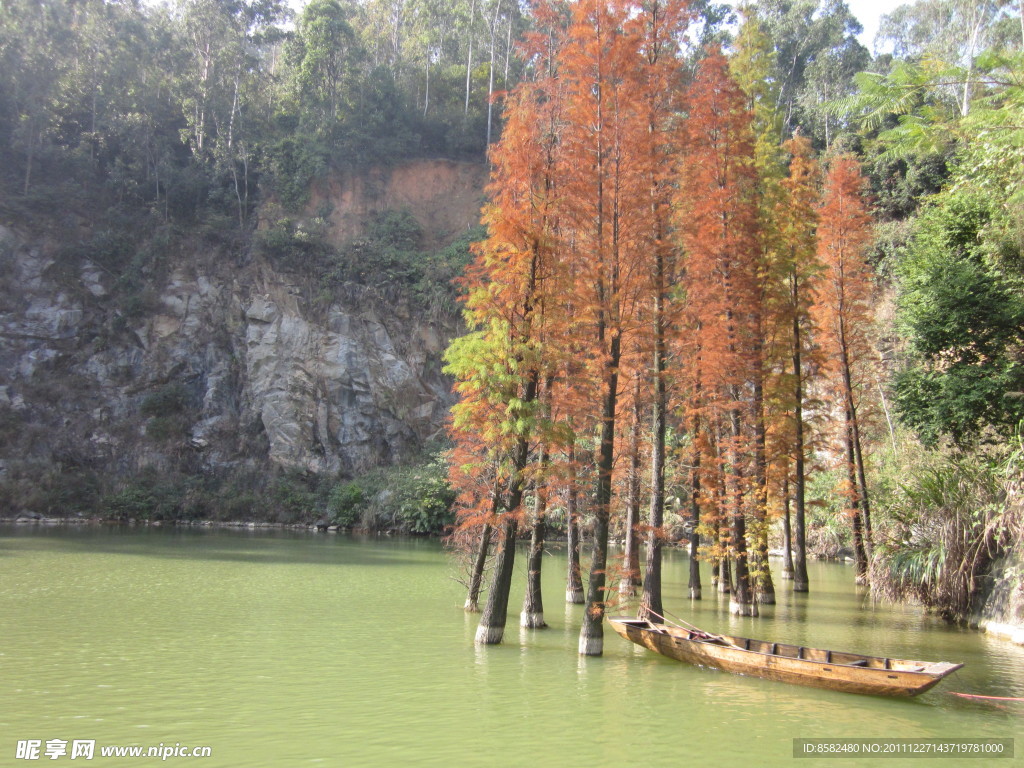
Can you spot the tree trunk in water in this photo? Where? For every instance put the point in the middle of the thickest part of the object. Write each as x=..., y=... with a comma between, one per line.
x=651, y=602
x=716, y=560
x=800, y=580
x=652, y=598
x=860, y=557
x=741, y=602
x=860, y=486
x=787, y=534
x=532, y=616
x=724, y=576
x=573, y=578
x=695, y=491
x=630, y=580
x=762, y=583
x=694, y=584
x=869, y=544
x=495, y=615
x=592, y=632
x=477, y=577
x=764, y=587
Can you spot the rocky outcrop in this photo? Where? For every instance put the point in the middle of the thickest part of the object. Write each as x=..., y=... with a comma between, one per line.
x=226, y=361
x=998, y=608
x=1001, y=606
x=360, y=387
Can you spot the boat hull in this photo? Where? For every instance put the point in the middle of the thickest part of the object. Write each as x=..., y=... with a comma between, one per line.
x=838, y=671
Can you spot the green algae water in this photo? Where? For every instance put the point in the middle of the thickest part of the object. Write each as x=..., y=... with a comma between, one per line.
x=289, y=649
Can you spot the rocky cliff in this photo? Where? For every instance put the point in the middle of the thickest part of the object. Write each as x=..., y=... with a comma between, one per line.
x=224, y=360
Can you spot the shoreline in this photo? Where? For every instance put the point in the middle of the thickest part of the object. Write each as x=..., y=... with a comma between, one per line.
x=54, y=522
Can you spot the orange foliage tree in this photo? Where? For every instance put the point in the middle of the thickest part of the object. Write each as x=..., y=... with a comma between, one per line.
x=499, y=366
x=655, y=29
x=797, y=270
x=640, y=262
x=599, y=187
x=843, y=316
x=717, y=221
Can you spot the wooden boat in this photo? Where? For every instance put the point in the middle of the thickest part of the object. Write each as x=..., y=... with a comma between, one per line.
x=836, y=670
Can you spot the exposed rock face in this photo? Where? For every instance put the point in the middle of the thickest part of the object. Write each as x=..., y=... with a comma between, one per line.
x=1000, y=607
x=445, y=196
x=251, y=370
x=361, y=387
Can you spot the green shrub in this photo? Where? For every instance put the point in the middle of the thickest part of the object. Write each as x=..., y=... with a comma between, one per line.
x=410, y=498
x=944, y=525
x=294, y=163
x=68, y=492
x=346, y=503
x=397, y=229
x=424, y=498
x=144, y=500
x=293, y=247
x=829, y=529
x=293, y=500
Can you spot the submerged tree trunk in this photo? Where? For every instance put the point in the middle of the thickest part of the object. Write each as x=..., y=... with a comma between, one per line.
x=862, y=483
x=651, y=601
x=787, y=534
x=591, y=641
x=532, y=616
x=855, y=460
x=477, y=576
x=763, y=584
x=573, y=577
x=860, y=556
x=694, y=583
x=495, y=615
x=652, y=597
x=800, y=580
x=724, y=576
x=741, y=602
x=630, y=580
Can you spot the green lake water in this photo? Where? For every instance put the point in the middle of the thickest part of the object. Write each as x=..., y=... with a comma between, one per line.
x=293, y=649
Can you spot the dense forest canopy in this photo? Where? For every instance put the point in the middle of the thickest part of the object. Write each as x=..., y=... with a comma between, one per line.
x=737, y=271
x=190, y=104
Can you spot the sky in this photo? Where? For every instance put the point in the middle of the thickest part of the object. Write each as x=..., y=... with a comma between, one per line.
x=868, y=13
